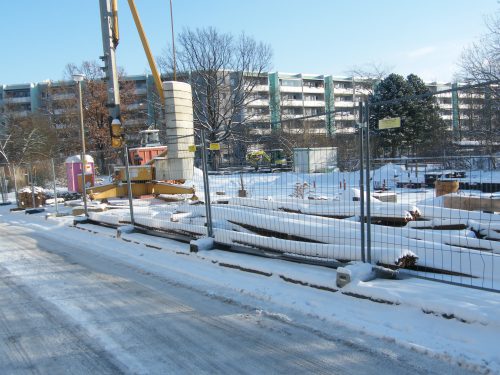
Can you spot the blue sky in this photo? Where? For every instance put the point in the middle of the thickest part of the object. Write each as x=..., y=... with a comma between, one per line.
x=426, y=37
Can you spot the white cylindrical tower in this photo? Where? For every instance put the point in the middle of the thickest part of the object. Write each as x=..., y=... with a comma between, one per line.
x=180, y=132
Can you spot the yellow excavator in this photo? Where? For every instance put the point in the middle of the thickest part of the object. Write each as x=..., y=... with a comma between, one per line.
x=148, y=178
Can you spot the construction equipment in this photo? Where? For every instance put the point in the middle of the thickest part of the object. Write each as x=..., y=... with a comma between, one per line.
x=110, y=40
x=154, y=170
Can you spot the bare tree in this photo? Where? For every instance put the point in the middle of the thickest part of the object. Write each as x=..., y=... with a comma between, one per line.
x=95, y=112
x=366, y=76
x=27, y=138
x=480, y=62
x=223, y=70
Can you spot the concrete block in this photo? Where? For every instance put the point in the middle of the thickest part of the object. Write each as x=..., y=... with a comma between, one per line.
x=180, y=107
x=175, y=169
x=386, y=196
x=472, y=203
x=178, y=126
x=177, y=116
x=176, y=85
x=343, y=277
x=204, y=243
x=172, y=95
x=179, y=99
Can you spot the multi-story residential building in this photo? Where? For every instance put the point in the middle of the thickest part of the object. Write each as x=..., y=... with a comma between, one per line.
x=324, y=103
x=328, y=103
x=58, y=100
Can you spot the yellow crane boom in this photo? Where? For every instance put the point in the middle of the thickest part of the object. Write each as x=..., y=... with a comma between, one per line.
x=147, y=50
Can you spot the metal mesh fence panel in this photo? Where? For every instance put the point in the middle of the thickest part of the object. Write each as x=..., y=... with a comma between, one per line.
x=443, y=212
x=440, y=175
x=295, y=202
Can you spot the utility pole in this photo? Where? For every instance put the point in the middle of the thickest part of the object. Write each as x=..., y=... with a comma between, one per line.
x=78, y=78
x=173, y=39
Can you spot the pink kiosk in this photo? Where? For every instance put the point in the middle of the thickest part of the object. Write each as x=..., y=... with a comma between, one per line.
x=74, y=171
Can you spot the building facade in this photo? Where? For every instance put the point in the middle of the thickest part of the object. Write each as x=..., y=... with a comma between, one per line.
x=279, y=100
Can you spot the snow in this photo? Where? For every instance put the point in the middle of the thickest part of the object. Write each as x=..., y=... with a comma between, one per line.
x=204, y=243
x=78, y=159
x=358, y=271
x=456, y=324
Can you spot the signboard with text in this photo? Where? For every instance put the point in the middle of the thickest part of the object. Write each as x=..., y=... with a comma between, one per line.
x=389, y=123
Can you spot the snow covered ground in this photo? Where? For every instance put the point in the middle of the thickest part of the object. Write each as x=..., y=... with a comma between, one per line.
x=455, y=324
x=327, y=226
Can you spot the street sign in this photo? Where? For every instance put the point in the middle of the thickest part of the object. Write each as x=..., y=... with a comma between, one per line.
x=389, y=123
x=214, y=147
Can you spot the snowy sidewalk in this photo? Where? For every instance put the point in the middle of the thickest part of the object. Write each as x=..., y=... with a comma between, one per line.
x=454, y=323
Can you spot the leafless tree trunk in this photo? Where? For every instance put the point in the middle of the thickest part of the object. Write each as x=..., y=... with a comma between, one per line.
x=480, y=63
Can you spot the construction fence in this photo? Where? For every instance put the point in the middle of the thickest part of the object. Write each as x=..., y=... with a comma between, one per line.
x=418, y=202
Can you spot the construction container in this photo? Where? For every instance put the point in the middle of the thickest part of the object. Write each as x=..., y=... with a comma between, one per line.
x=143, y=155
x=444, y=187
x=136, y=172
x=89, y=182
x=314, y=160
x=74, y=168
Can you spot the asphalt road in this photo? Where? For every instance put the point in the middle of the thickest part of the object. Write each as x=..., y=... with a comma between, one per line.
x=62, y=312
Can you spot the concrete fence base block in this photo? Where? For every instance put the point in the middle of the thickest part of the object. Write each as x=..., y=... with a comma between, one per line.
x=204, y=243
x=80, y=220
x=124, y=229
x=343, y=277
x=34, y=211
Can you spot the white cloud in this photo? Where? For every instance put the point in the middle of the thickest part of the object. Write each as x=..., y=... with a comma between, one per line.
x=420, y=52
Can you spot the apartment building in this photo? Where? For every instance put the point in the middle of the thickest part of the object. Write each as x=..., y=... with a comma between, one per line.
x=58, y=100
x=324, y=103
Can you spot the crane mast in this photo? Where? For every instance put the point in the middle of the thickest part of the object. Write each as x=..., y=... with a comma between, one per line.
x=110, y=38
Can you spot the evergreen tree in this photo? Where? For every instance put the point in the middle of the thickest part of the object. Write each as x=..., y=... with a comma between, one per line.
x=422, y=131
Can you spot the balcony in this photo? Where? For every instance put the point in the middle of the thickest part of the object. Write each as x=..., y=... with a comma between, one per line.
x=258, y=117
x=291, y=89
x=314, y=103
x=314, y=90
x=344, y=117
x=341, y=104
x=260, y=88
x=24, y=99
x=258, y=103
x=346, y=130
x=260, y=131
x=66, y=96
x=291, y=102
x=341, y=90
x=20, y=113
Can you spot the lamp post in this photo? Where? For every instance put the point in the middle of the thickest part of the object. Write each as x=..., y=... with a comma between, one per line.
x=78, y=78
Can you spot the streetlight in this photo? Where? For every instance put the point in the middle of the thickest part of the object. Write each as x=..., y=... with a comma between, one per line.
x=78, y=78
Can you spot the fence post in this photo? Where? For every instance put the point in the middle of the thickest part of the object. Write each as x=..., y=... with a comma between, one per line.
x=13, y=173
x=129, y=187
x=361, y=182
x=84, y=186
x=32, y=186
x=55, y=188
x=206, y=188
x=4, y=189
x=368, y=193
